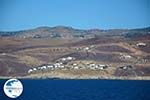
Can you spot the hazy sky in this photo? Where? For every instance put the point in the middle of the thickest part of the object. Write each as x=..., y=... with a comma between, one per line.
x=84, y=14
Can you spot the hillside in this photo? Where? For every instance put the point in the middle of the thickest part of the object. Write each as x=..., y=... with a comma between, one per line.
x=109, y=53
x=69, y=32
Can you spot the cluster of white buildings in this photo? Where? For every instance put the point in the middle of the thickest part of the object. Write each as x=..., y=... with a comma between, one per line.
x=91, y=66
x=74, y=66
x=67, y=66
x=46, y=67
x=97, y=66
x=58, y=65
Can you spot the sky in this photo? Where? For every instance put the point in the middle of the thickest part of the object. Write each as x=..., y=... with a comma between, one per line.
x=81, y=14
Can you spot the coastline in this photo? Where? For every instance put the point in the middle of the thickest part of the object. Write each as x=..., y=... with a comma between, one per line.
x=80, y=77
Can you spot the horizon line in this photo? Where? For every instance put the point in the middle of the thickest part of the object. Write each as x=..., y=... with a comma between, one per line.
x=10, y=30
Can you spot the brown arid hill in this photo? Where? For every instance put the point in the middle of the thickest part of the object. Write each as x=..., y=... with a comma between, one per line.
x=69, y=32
x=20, y=52
x=65, y=32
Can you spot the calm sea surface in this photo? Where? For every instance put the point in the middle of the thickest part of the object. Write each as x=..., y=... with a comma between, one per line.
x=82, y=90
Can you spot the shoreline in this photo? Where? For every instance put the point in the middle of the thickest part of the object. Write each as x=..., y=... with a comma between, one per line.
x=79, y=78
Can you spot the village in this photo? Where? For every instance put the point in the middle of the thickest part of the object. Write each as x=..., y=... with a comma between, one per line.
x=69, y=63
x=65, y=64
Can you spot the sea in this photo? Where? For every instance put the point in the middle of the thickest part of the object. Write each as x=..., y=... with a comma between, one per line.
x=62, y=89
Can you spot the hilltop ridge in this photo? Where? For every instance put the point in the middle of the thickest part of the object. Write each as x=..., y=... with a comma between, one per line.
x=69, y=32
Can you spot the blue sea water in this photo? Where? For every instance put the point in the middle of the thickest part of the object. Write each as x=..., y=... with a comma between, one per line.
x=49, y=89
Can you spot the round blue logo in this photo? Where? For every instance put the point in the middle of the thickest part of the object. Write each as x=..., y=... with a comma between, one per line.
x=13, y=88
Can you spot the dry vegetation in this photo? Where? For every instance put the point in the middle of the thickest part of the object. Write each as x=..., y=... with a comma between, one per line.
x=18, y=55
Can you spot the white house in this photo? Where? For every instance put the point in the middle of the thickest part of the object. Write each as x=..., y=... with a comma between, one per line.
x=141, y=44
x=30, y=70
